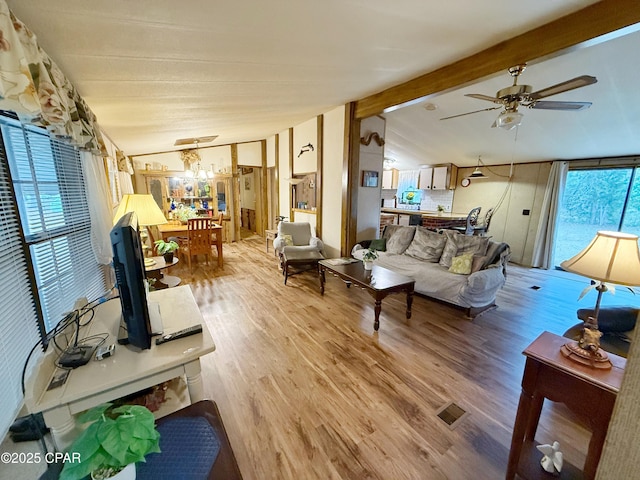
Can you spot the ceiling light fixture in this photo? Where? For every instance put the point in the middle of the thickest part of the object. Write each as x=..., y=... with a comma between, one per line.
x=388, y=163
x=477, y=173
x=509, y=119
x=191, y=157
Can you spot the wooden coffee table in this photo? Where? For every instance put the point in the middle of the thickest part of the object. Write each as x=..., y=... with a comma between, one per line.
x=379, y=282
x=298, y=261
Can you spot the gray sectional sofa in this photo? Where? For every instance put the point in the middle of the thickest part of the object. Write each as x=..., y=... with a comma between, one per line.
x=427, y=256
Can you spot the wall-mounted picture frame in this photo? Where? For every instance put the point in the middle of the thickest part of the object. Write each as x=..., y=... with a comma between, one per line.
x=369, y=178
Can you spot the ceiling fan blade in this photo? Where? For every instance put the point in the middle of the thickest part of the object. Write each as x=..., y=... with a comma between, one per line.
x=572, y=84
x=480, y=96
x=560, y=105
x=469, y=113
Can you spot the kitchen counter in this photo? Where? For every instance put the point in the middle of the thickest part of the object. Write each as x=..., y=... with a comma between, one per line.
x=430, y=219
x=425, y=213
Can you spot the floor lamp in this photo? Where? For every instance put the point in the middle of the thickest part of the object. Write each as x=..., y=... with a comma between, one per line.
x=611, y=257
x=146, y=209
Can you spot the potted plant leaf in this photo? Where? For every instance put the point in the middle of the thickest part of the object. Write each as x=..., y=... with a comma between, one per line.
x=368, y=257
x=116, y=438
x=166, y=249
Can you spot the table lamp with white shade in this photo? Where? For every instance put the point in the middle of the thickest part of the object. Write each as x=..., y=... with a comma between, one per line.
x=611, y=257
x=146, y=210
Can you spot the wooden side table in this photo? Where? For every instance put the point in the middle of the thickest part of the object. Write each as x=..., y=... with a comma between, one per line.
x=588, y=392
x=270, y=235
x=155, y=271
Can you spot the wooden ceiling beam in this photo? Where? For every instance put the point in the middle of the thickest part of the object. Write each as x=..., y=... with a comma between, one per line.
x=601, y=21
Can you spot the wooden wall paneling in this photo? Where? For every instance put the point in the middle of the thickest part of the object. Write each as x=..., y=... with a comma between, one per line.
x=264, y=197
x=320, y=153
x=276, y=183
x=351, y=178
x=236, y=191
x=603, y=19
x=291, y=217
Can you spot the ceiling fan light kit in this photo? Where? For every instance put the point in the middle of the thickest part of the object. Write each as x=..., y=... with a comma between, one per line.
x=509, y=120
x=515, y=96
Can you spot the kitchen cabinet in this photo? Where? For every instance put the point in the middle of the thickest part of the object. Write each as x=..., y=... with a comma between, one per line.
x=390, y=179
x=440, y=177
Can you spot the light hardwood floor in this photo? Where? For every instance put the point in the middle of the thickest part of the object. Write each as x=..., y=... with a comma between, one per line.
x=308, y=390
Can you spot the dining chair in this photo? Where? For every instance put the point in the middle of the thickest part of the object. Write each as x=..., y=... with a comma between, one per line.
x=199, y=238
x=415, y=219
x=483, y=228
x=471, y=223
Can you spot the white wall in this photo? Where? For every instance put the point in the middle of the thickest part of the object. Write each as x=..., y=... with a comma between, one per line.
x=250, y=154
x=368, y=202
x=271, y=151
x=284, y=174
x=304, y=134
x=509, y=224
x=333, y=155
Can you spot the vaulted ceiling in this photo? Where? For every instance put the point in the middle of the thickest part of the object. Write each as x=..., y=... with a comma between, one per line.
x=154, y=71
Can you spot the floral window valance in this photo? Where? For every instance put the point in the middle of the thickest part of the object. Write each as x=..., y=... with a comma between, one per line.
x=32, y=86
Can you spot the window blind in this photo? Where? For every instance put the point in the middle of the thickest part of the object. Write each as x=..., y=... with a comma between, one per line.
x=18, y=319
x=52, y=202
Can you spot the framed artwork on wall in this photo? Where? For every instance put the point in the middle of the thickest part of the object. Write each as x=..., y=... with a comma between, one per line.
x=369, y=178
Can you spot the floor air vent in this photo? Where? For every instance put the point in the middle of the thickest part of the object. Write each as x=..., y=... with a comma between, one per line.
x=451, y=414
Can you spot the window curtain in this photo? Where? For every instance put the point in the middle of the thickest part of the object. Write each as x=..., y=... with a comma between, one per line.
x=407, y=179
x=545, y=236
x=32, y=86
x=126, y=186
x=99, y=206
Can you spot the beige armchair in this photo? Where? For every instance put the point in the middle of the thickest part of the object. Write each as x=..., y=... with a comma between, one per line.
x=296, y=236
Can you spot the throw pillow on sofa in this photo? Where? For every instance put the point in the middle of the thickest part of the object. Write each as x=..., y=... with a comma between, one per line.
x=461, y=264
x=400, y=240
x=458, y=244
x=426, y=246
x=379, y=244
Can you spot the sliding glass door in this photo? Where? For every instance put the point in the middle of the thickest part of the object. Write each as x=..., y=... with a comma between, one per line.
x=593, y=200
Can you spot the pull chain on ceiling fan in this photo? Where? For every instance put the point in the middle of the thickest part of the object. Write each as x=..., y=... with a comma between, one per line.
x=510, y=98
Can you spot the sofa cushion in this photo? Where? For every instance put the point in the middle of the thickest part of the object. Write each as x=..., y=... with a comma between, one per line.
x=461, y=264
x=390, y=229
x=426, y=245
x=459, y=244
x=400, y=240
x=478, y=263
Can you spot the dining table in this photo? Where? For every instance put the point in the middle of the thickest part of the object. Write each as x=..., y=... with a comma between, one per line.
x=180, y=230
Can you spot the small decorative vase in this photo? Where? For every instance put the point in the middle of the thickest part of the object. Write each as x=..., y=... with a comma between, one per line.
x=168, y=257
x=368, y=264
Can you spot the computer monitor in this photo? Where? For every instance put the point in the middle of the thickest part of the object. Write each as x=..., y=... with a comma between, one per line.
x=128, y=263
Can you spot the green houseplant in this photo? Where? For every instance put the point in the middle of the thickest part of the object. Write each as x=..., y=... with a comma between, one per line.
x=368, y=257
x=166, y=249
x=115, y=438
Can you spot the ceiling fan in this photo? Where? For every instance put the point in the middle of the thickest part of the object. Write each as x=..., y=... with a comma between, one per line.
x=510, y=98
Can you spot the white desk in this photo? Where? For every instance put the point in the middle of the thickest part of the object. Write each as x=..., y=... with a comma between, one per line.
x=128, y=370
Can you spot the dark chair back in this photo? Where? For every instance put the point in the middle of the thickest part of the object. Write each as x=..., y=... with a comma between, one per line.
x=472, y=220
x=487, y=220
x=415, y=219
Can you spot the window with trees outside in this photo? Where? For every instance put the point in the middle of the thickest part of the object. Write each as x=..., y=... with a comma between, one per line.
x=593, y=200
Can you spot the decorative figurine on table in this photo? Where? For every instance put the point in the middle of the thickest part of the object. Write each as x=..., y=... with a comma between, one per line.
x=552, y=460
